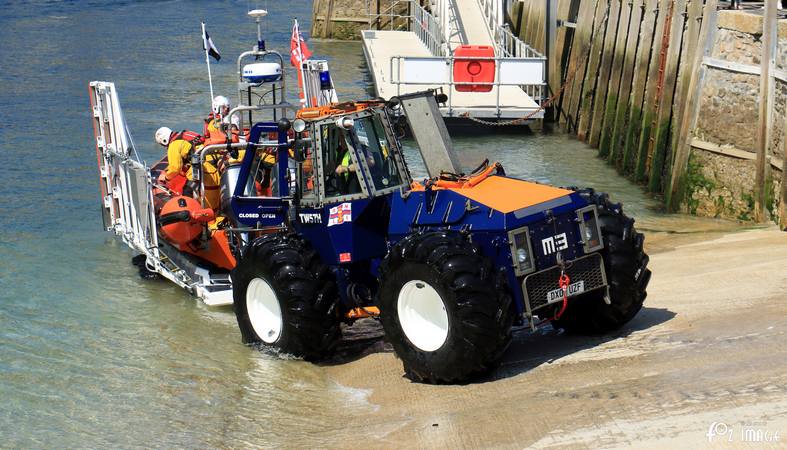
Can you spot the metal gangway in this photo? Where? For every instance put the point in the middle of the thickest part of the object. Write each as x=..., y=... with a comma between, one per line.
x=413, y=47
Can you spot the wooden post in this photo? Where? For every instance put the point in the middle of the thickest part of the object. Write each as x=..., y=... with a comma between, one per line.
x=649, y=106
x=612, y=94
x=530, y=21
x=540, y=29
x=566, y=12
x=589, y=87
x=662, y=122
x=692, y=108
x=690, y=40
x=578, y=61
x=767, y=66
x=607, y=55
x=634, y=124
x=626, y=81
x=783, y=199
x=550, y=47
x=329, y=20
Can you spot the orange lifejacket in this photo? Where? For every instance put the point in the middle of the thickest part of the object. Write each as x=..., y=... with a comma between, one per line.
x=217, y=136
x=192, y=137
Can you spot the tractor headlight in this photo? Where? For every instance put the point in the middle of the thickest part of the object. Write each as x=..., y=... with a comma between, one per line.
x=299, y=125
x=521, y=256
x=590, y=228
x=521, y=251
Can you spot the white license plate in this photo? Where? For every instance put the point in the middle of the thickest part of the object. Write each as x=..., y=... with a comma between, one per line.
x=573, y=289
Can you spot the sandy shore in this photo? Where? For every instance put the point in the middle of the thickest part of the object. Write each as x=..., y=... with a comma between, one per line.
x=708, y=347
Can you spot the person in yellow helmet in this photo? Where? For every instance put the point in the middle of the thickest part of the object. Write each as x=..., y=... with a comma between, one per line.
x=180, y=147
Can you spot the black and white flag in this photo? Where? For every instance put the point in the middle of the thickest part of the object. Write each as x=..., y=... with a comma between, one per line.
x=207, y=44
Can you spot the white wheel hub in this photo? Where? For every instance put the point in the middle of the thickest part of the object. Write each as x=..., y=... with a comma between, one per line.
x=422, y=315
x=264, y=310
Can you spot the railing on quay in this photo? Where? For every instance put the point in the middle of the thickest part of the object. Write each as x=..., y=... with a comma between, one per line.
x=419, y=21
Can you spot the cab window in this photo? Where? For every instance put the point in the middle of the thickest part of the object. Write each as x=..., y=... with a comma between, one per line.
x=307, y=181
x=376, y=148
x=265, y=172
x=341, y=173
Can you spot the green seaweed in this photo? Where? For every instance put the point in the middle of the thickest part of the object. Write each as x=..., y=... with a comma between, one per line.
x=616, y=154
x=746, y=216
x=642, y=147
x=695, y=181
x=630, y=143
x=604, y=149
x=659, y=156
x=770, y=197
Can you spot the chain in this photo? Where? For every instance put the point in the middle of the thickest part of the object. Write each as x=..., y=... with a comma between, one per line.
x=546, y=103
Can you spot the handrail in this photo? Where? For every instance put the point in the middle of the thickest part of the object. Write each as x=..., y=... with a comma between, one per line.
x=420, y=22
x=510, y=45
x=429, y=32
x=535, y=91
x=387, y=12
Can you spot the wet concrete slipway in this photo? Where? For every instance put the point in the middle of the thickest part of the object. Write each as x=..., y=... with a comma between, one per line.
x=93, y=356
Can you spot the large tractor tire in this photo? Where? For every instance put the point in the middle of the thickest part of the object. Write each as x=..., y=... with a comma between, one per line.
x=446, y=312
x=285, y=298
x=625, y=263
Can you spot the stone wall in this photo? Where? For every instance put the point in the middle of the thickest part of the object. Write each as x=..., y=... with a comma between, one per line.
x=721, y=182
x=349, y=17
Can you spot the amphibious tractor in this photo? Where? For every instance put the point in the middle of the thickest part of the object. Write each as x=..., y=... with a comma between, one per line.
x=322, y=223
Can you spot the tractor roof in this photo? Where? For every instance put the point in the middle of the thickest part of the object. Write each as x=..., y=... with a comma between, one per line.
x=497, y=192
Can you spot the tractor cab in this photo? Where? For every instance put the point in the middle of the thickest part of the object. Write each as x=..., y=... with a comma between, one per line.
x=344, y=156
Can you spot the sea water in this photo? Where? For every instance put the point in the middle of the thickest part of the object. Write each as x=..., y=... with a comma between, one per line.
x=90, y=354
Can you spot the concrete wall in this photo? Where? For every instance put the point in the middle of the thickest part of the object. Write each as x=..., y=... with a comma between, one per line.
x=719, y=184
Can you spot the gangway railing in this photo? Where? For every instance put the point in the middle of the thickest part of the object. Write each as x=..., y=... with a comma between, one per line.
x=526, y=73
x=419, y=21
x=493, y=13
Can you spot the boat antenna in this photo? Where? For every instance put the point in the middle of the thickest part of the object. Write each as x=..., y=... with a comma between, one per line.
x=258, y=14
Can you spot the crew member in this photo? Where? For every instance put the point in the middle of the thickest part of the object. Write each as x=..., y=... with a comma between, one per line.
x=180, y=147
x=213, y=130
x=347, y=184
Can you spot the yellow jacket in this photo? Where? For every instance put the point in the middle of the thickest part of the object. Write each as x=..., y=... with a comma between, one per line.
x=177, y=154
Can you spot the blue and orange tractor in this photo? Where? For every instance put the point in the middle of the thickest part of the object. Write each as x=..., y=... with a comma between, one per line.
x=449, y=263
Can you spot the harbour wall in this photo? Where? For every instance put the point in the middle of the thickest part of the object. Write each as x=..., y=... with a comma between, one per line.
x=343, y=19
x=670, y=93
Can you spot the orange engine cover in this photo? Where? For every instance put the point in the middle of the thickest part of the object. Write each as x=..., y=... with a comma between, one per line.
x=469, y=69
x=182, y=219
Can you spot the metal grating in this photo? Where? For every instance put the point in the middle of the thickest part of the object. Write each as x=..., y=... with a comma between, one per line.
x=589, y=269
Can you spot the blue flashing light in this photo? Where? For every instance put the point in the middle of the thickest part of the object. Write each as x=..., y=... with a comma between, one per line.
x=325, y=80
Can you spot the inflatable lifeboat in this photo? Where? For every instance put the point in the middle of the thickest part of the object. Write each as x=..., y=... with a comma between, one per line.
x=188, y=226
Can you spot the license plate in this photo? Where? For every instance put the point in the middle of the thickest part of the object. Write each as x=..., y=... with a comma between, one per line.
x=573, y=289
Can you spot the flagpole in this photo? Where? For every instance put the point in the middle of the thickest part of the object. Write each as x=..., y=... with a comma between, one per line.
x=301, y=75
x=207, y=61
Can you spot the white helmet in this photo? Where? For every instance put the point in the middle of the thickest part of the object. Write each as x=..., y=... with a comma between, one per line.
x=219, y=102
x=162, y=136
